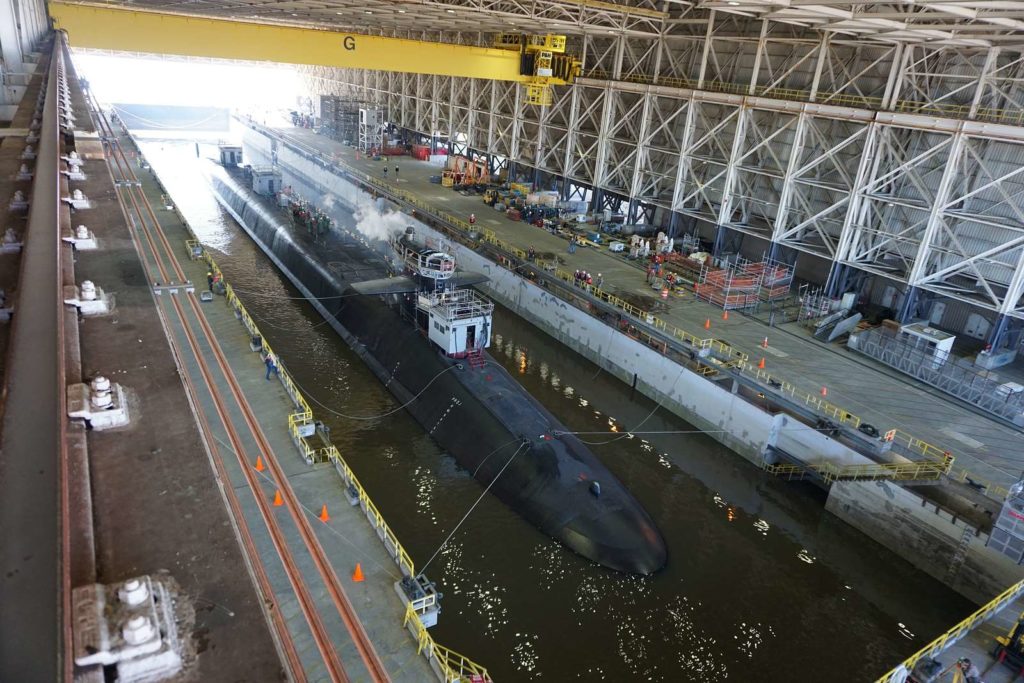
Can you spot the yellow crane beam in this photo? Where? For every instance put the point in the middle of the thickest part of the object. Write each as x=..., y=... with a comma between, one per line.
x=115, y=28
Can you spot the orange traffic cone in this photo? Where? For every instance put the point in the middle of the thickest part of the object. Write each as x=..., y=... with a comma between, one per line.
x=764, y=344
x=707, y=324
x=324, y=517
x=259, y=464
x=824, y=391
x=760, y=364
x=277, y=500
x=725, y=315
x=357, y=575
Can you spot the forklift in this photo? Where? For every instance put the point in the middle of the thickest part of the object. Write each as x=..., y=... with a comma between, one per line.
x=1009, y=650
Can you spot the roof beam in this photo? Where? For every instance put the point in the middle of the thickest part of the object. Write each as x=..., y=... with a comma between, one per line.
x=111, y=28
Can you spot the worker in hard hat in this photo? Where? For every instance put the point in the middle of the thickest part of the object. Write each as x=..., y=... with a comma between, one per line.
x=472, y=219
x=209, y=279
x=966, y=669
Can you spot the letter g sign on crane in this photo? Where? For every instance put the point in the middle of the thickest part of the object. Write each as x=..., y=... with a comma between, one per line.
x=349, y=43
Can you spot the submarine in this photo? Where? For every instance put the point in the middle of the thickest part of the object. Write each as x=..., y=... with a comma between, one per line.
x=401, y=303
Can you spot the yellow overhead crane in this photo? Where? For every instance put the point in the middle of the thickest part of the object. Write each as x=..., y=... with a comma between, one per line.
x=536, y=61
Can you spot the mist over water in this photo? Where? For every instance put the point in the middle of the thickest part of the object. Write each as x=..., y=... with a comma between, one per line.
x=761, y=585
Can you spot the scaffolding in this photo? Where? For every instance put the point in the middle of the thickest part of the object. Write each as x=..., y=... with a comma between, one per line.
x=371, y=130
x=814, y=303
x=339, y=118
x=776, y=279
x=732, y=287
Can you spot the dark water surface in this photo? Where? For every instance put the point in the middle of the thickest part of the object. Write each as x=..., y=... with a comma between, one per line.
x=762, y=584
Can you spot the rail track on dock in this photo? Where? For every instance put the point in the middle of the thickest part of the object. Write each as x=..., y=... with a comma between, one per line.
x=194, y=342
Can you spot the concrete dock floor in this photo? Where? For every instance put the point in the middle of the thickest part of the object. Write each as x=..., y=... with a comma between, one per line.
x=878, y=395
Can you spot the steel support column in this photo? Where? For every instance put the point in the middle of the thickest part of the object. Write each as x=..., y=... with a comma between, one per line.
x=725, y=210
x=603, y=141
x=792, y=164
x=10, y=41
x=935, y=215
x=678, y=192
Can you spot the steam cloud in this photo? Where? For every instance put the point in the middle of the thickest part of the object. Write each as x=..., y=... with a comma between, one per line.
x=367, y=218
x=376, y=224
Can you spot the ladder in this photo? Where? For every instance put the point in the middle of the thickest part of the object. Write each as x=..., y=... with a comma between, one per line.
x=475, y=359
x=960, y=554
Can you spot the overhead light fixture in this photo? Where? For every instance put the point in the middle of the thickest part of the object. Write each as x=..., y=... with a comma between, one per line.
x=369, y=12
x=450, y=11
x=401, y=11
x=733, y=2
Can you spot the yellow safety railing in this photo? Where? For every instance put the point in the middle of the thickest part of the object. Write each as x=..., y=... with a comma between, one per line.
x=384, y=532
x=935, y=458
x=950, y=637
x=918, y=446
x=454, y=666
x=1013, y=116
x=295, y=423
x=819, y=404
x=985, y=486
x=831, y=472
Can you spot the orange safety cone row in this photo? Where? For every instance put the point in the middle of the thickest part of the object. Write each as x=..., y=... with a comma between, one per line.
x=725, y=315
x=707, y=324
x=760, y=364
x=324, y=517
x=357, y=575
x=259, y=464
x=278, y=502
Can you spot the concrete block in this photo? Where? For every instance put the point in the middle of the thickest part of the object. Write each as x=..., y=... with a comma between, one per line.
x=132, y=626
x=89, y=299
x=78, y=200
x=102, y=408
x=18, y=201
x=82, y=238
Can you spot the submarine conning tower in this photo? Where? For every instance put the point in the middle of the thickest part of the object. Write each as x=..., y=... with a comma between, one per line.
x=457, y=320
x=433, y=267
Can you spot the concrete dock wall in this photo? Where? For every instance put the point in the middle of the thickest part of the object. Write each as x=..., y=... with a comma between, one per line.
x=945, y=547
x=892, y=515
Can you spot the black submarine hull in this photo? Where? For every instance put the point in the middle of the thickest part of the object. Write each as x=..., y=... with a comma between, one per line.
x=480, y=415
